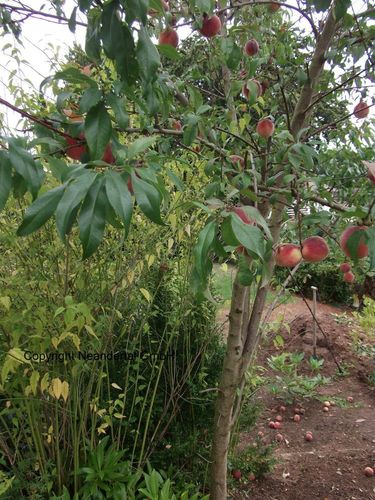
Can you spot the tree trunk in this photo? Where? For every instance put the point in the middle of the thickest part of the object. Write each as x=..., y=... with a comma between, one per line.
x=244, y=328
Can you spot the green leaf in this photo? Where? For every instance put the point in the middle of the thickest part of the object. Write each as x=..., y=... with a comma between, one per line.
x=201, y=250
x=118, y=105
x=227, y=233
x=169, y=51
x=371, y=247
x=119, y=197
x=254, y=214
x=148, y=56
x=189, y=134
x=249, y=236
x=92, y=43
x=72, y=20
x=89, y=99
x=140, y=145
x=91, y=220
x=341, y=7
x=40, y=211
x=24, y=164
x=321, y=5
x=118, y=43
x=68, y=207
x=98, y=128
x=74, y=75
x=148, y=198
x=5, y=178
x=136, y=9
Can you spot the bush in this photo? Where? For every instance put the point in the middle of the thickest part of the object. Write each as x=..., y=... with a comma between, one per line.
x=325, y=275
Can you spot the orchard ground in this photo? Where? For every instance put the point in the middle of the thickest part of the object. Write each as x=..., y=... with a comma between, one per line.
x=332, y=464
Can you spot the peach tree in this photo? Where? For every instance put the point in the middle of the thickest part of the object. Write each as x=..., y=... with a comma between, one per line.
x=268, y=103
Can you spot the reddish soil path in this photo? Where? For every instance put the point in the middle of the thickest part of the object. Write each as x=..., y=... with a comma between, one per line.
x=331, y=466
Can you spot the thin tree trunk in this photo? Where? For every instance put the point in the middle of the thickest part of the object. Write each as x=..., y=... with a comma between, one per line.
x=244, y=331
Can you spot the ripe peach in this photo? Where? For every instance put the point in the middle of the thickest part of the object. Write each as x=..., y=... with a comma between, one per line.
x=86, y=70
x=279, y=437
x=297, y=418
x=265, y=127
x=237, y=160
x=327, y=404
x=350, y=399
x=236, y=474
x=279, y=418
x=361, y=250
x=169, y=37
x=369, y=471
x=282, y=408
x=251, y=47
x=349, y=277
x=271, y=425
x=177, y=125
x=345, y=267
x=361, y=110
x=325, y=409
x=277, y=425
x=314, y=249
x=371, y=171
x=288, y=255
x=251, y=476
x=308, y=436
x=211, y=26
x=76, y=147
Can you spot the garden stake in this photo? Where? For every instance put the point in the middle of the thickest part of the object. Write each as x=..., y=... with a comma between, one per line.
x=314, y=289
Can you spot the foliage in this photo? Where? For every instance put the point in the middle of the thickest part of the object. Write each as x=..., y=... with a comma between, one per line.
x=366, y=318
x=256, y=458
x=288, y=384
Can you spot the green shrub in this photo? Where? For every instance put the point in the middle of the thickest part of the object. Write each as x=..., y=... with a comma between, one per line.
x=325, y=275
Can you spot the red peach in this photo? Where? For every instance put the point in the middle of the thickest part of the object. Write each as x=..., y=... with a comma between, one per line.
x=76, y=147
x=251, y=47
x=314, y=249
x=369, y=471
x=282, y=408
x=277, y=425
x=274, y=6
x=345, y=267
x=361, y=110
x=349, y=277
x=251, y=476
x=350, y=399
x=176, y=125
x=236, y=474
x=108, y=155
x=169, y=37
x=271, y=425
x=361, y=250
x=297, y=418
x=288, y=255
x=265, y=127
x=211, y=26
x=308, y=436
x=279, y=418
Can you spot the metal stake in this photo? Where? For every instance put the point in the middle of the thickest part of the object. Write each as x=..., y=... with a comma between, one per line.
x=314, y=289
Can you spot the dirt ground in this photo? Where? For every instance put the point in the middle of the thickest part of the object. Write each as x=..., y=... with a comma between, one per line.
x=331, y=465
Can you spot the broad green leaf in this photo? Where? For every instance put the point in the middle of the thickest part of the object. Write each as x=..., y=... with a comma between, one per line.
x=91, y=220
x=5, y=178
x=202, y=248
x=148, y=198
x=24, y=164
x=89, y=99
x=92, y=43
x=355, y=240
x=74, y=75
x=119, y=197
x=135, y=10
x=98, y=128
x=118, y=105
x=40, y=211
x=340, y=9
x=227, y=233
x=140, y=145
x=148, y=56
x=169, y=51
x=254, y=214
x=190, y=133
x=72, y=20
x=249, y=236
x=69, y=203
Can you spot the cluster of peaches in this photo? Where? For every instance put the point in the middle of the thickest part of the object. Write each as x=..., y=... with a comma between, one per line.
x=313, y=249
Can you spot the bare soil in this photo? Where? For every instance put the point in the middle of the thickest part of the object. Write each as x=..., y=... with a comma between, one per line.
x=331, y=466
